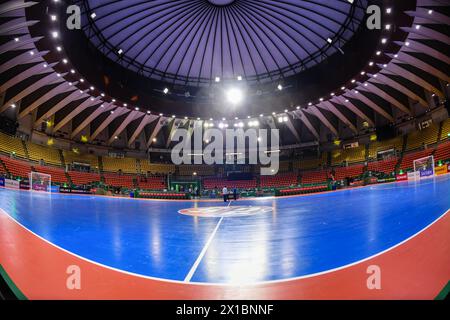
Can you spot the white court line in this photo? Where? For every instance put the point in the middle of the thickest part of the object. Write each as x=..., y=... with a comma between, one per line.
x=202, y=254
x=205, y=248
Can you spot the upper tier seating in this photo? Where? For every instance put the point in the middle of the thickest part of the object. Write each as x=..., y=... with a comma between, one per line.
x=445, y=129
x=408, y=159
x=82, y=178
x=200, y=170
x=156, y=168
x=279, y=180
x=385, y=166
x=48, y=154
x=16, y=167
x=9, y=144
x=126, y=165
x=152, y=183
x=219, y=183
x=427, y=136
x=58, y=175
x=314, y=177
x=348, y=172
x=352, y=155
x=117, y=180
x=314, y=163
x=71, y=157
x=377, y=146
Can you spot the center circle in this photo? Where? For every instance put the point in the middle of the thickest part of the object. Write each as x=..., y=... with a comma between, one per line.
x=221, y=2
x=235, y=211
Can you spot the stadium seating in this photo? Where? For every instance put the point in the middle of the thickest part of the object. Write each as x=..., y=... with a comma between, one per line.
x=117, y=180
x=408, y=159
x=445, y=129
x=314, y=177
x=351, y=155
x=417, y=139
x=307, y=164
x=377, y=146
x=156, y=168
x=152, y=183
x=57, y=175
x=279, y=180
x=219, y=183
x=9, y=144
x=348, y=172
x=83, y=178
x=303, y=190
x=17, y=168
x=126, y=165
x=70, y=157
x=442, y=152
x=385, y=166
x=49, y=155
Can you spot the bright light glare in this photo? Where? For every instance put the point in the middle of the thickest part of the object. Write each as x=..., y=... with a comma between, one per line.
x=234, y=96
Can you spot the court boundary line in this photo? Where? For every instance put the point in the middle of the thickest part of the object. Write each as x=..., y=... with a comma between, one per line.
x=2, y=211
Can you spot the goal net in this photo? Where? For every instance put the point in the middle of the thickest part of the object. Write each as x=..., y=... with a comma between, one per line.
x=40, y=181
x=424, y=167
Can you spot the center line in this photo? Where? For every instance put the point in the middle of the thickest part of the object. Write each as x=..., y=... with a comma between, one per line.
x=202, y=254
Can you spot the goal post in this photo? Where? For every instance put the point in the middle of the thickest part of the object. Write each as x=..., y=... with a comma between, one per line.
x=40, y=181
x=424, y=167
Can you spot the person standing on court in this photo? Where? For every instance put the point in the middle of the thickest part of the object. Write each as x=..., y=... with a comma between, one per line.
x=235, y=193
x=225, y=194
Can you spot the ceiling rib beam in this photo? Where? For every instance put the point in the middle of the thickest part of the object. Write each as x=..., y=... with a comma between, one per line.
x=394, y=84
x=370, y=87
x=80, y=108
x=341, y=100
x=106, y=107
x=327, y=105
x=118, y=112
x=61, y=104
x=370, y=103
x=48, y=79
x=63, y=87
x=315, y=111
x=301, y=115
x=145, y=121
x=398, y=70
x=130, y=117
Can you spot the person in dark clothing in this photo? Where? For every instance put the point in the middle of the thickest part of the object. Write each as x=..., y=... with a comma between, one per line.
x=235, y=193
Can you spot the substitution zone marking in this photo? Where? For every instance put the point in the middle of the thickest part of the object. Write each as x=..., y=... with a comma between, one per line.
x=203, y=252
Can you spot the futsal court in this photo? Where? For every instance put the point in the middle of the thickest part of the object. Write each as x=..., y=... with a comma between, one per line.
x=314, y=246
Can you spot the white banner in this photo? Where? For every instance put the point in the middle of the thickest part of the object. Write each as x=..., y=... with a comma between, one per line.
x=13, y=184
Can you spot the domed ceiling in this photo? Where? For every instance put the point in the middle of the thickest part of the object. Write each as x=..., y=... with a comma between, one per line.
x=198, y=42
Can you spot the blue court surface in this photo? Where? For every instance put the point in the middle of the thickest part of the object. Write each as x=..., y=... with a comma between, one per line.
x=293, y=237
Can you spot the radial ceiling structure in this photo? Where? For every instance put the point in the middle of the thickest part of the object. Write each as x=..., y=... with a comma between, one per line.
x=198, y=42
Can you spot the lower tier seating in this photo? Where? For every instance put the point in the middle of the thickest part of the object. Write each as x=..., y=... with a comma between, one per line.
x=83, y=178
x=219, y=183
x=385, y=166
x=348, y=172
x=116, y=180
x=152, y=183
x=279, y=180
x=408, y=159
x=313, y=177
x=58, y=175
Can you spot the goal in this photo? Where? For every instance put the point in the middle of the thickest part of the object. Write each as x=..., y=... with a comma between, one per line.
x=40, y=181
x=424, y=167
